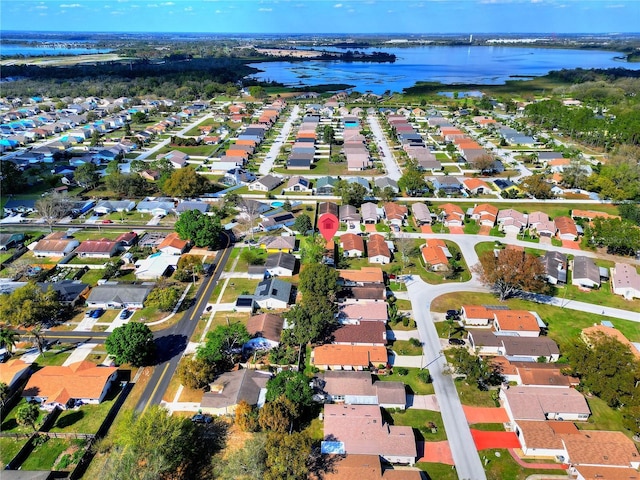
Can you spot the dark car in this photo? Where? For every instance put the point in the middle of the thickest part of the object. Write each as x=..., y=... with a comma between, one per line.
x=456, y=341
x=125, y=314
x=453, y=313
x=200, y=418
x=97, y=313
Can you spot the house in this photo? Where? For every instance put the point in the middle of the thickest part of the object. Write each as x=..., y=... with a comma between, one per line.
x=378, y=250
x=151, y=240
x=265, y=330
x=245, y=303
x=600, y=448
x=10, y=240
x=325, y=185
x=476, y=315
x=386, y=182
x=506, y=186
x=56, y=244
x=105, y=207
x=543, y=439
x=544, y=403
x=543, y=375
x=265, y=184
x=352, y=312
x=524, y=349
x=519, y=323
x=448, y=184
x=103, y=248
x=156, y=266
x=360, y=429
x=274, y=244
x=585, y=273
x=64, y=387
x=348, y=357
x=485, y=214
x=475, y=186
x=273, y=293
x=359, y=388
x=365, y=276
x=231, y=388
x=567, y=229
x=348, y=467
x=276, y=220
x=173, y=245
x=512, y=221
x=365, y=333
x=435, y=255
x=555, y=267
x=328, y=207
x=451, y=215
x=370, y=213
x=280, y=264
x=352, y=245
x=127, y=239
x=348, y=214
x=177, y=158
x=69, y=292
x=540, y=223
x=625, y=281
x=421, y=214
x=118, y=296
x=395, y=214
x=592, y=334
x=298, y=184
x=157, y=208
x=188, y=205
x=13, y=372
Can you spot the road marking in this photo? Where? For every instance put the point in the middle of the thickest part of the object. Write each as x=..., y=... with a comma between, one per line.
x=213, y=275
x=164, y=371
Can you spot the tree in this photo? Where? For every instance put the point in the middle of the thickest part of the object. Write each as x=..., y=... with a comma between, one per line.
x=86, y=175
x=195, y=373
x=12, y=179
x=156, y=445
x=246, y=463
x=484, y=163
x=311, y=320
x=128, y=185
x=203, y=230
x=96, y=139
x=537, y=186
x=621, y=237
x=484, y=373
x=574, y=175
x=278, y=415
x=630, y=211
x=292, y=385
x=185, y=182
x=511, y=272
x=287, y=207
x=223, y=343
x=318, y=280
x=8, y=339
x=311, y=249
x=619, y=178
x=287, y=456
x=27, y=415
x=406, y=248
x=387, y=194
x=351, y=193
x=29, y=305
x=246, y=417
x=4, y=393
x=607, y=369
x=37, y=333
x=131, y=343
x=256, y=91
x=52, y=207
x=412, y=180
x=302, y=223
x=163, y=298
x=328, y=135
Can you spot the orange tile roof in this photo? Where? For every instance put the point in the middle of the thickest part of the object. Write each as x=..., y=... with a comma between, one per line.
x=566, y=225
x=10, y=369
x=591, y=333
x=60, y=384
x=377, y=246
x=351, y=241
x=351, y=355
x=266, y=325
x=395, y=211
x=607, y=473
x=236, y=153
x=597, y=447
x=485, y=207
x=473, y=183
x=516, y=320
x=558, y=162
x=364, y=275
x=451, y=209
x=539, y=434
x=173, y=240
x=434, y=256
x=478, y=311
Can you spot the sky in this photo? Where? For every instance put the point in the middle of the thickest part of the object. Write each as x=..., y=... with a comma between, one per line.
x=323, y=16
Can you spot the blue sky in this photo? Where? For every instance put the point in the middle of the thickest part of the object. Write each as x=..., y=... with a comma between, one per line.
x=322, y=16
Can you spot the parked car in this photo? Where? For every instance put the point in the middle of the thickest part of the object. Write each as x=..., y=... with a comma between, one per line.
x=97, y=313
x=125, y=314
x=456, y=341
x=107, y=221
x=453, y=314
x=201, y=418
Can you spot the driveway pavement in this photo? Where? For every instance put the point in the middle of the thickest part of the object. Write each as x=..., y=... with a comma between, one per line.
x=423, y=402
x=390, y=164
x=80, y=353
x=270, y=158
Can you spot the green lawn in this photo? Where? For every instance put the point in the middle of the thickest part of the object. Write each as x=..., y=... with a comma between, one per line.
x=92, y=276
x=44, y=456
x=238, y=286
x=438, y=471
x=419, y=420
x=10, y=425
x=603, y=417
x=91, y=261
x=404, y=347
x=52, y=358
x=601, y=296
x=197, y=151
x=9, y=448
x=86, y=419
x=471, y=228
x=504, y=466
x=472, y=396
x=564, y=325
x=416, y=385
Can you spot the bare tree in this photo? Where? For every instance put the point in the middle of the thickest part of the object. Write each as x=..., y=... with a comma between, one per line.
x=250, y=213
x=52, y=207
x=484, y=163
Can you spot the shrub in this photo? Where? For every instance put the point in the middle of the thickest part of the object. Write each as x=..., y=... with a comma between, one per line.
x=402, y=371
x=415, y=342
x=424, y=376
x=405, y=321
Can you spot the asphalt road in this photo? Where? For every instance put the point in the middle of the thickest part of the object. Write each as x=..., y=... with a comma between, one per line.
x=172, y=341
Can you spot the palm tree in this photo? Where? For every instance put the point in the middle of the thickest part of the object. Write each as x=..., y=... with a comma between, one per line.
x=38, y=337
x=8, y=339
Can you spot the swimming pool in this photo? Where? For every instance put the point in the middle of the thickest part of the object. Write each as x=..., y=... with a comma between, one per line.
x=277, y=204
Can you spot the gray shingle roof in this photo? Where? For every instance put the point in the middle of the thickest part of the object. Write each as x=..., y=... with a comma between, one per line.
x=273, y=288
x=121, y=293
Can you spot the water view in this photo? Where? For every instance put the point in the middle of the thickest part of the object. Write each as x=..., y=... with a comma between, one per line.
x=44, y=50
x=465, y=65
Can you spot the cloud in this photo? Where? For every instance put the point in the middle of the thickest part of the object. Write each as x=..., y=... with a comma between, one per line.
x=167, y=4
x=265, y=9
x=70, y=5
x=41, y=7
x=218, y=11
x=188, y=9
x=616, y=5
x=337, y=5
x=117, y=12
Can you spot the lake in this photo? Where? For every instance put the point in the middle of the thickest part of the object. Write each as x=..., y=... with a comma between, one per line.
x=491, y=65
x=44, y=50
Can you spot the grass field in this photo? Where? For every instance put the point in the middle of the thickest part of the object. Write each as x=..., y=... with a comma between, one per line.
x=420, y=421
x=88, y=418
x=416, y=385
x=438, y=471
x=238, y=286
x=44, y=456
x=10, y=425
x=9, y=448
x=404, y=347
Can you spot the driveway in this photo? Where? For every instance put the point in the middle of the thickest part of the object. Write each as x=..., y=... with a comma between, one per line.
x=390, y=164
x=435, y=452
x=80, y=353
x=485, y=230
x=270, y=158
x=572, y=244
x=423, y=402
x=485, y=414
x=456, y=230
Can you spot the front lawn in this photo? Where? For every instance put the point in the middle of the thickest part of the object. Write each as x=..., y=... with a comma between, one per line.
x=44, y=456
x=438, y=471
x=10, y=425
x=416, y=385
x=421, y=420
x=87, y=418
x=470, y=394
x=9, y=448
x=238, y=286
x=405, y=347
